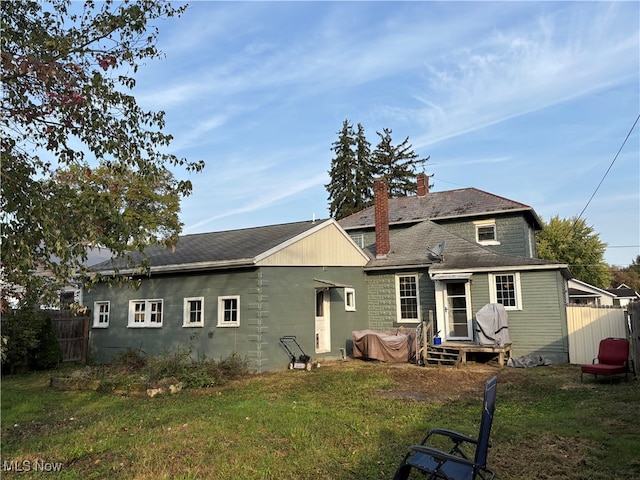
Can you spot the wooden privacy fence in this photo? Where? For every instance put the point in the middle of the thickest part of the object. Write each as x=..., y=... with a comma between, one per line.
x=588, y=325
x=72, y=333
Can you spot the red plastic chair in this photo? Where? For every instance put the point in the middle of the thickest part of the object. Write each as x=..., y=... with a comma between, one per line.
x=613, y=359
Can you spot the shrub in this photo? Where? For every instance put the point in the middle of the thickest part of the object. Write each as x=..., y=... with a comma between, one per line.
x=31, y=341
x=130, y=360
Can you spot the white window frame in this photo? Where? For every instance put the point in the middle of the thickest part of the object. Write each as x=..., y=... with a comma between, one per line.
x=100, y=317
x=358, y=239
x=350, y=299
x=493, y=294
x=187, y=311
x=221, y=311
x=147, y=314
x=485, y=224
x=399, y=299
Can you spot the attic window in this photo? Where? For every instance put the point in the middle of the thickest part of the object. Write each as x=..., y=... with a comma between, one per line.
x=358, y=238
x=486, y=233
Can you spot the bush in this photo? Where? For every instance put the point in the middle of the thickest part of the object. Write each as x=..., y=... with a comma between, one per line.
x=130, y=360
x=31, y=341
x=180, y=366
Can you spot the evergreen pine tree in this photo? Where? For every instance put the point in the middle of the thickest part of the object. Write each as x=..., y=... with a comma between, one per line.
x=396, y=163
x=364, y=174
x=341, y=189
x=354, y=168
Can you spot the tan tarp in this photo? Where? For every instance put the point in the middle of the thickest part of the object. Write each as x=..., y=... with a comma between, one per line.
x=394, y=346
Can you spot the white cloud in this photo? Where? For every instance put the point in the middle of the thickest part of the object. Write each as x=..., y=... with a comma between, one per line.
x=527, y=68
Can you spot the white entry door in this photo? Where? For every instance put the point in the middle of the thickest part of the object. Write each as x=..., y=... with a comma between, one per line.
x=323, y=322
x=453, y=303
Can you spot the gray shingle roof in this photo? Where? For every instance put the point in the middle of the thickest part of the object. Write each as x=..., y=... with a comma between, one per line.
x=623, y=292
x=232, y=246
x=440, y=205
x=411, y=248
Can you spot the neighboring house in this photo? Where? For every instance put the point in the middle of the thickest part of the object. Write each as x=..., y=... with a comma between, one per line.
x=238, y=291
x=624, y=295
x=71, y=293
x=451, y=253
x=582, y=293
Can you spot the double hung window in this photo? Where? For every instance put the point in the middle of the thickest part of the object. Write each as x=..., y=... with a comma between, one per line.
x=101, y=311
x=229, y=311
x=505, y=289
x=193, y=315
x=407, y=298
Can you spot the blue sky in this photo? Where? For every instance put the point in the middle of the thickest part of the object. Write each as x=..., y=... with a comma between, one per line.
x=527, y=100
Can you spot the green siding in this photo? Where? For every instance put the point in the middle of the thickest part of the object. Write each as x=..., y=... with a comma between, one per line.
x=541, y=326
x=210, y=340
x=292, y=309
x=513, y=233
x=274, y=301
x=382, y=299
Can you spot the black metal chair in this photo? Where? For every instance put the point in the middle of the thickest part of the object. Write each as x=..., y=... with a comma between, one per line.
x=454, y=464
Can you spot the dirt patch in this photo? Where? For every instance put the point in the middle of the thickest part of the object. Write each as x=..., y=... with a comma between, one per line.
x=437, y=384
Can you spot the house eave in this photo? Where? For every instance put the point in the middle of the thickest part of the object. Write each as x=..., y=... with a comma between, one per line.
x=413, y=266
x=184, y=267
x=505, y=268
x=537, y=219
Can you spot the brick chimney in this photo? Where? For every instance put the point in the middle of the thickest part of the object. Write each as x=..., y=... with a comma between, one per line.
x=381, y=205
x=423, y=184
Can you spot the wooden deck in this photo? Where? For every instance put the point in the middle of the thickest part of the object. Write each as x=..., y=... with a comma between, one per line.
x=450, y=353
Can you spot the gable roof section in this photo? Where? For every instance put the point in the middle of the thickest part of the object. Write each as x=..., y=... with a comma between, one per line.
x=449, y=204
x=233, y=248
x=412, y=248
x=624, y=292
x=578, y=288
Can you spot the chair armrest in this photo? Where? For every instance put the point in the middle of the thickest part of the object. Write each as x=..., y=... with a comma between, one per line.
x=439, y=455
x=454, y=436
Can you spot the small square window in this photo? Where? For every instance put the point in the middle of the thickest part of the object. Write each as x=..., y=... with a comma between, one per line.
x=358, y=238
x=101, y=312
x=229, y=311
x=486, y=233
x=350, y=299
x=193, y=315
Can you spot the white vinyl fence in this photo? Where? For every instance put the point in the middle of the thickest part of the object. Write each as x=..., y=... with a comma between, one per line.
x=588, y=325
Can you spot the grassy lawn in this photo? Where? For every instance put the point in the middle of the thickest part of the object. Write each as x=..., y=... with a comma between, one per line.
x=345, y=420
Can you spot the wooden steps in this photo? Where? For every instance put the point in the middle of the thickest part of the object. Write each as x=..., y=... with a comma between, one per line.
x=443, y=355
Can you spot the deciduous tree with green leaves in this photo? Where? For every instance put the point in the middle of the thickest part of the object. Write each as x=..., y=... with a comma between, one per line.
x=575, y=243
x=630, y=275
x=82, y=163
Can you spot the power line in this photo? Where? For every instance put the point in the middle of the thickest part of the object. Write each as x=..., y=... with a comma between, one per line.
x=608, y=169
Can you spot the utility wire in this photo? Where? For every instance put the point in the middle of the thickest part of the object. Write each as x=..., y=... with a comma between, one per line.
x=608, y=169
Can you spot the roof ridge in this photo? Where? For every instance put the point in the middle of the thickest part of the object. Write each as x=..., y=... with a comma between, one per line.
x=317, y=221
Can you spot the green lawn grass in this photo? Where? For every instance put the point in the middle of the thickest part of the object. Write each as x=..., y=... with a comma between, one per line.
x=337, y=422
